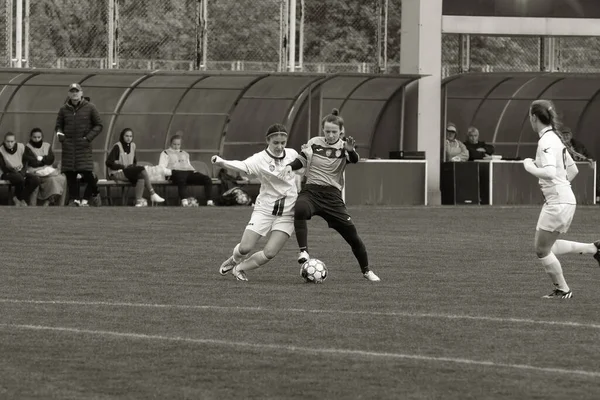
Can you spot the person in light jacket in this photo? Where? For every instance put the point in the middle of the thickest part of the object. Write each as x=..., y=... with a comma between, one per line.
x=183, y=173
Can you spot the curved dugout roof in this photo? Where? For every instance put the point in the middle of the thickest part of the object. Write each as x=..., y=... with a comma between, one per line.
x=372, y=107
x=217, y=113
x=498, y=105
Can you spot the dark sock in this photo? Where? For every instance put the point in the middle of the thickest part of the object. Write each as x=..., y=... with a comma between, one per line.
x=350, y=235
x=301, y=229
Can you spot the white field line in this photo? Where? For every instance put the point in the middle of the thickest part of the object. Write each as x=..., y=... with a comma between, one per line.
x=400, y=314
x=310, y=350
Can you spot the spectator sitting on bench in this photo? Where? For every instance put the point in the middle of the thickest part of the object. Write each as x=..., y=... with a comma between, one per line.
x=39, y=158
x=477, y=149
x=122, y=166
x=455, y=149
x=183, y=173
x=11, y=163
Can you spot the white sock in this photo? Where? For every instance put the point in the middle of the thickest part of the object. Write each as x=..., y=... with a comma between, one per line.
x=568, y=247
x=256, y=260
x=553, y=268
x=237, y=256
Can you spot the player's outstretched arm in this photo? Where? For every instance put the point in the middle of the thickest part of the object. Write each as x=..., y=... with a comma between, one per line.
x=235, y=165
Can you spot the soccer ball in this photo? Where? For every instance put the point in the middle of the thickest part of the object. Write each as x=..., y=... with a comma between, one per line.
x=314, y=271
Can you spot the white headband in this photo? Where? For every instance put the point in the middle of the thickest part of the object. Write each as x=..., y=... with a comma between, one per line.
x=277, y=133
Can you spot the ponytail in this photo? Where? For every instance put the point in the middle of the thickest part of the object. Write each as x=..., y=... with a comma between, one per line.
x=546, y=113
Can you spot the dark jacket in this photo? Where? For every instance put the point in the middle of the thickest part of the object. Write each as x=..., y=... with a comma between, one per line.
x=80, y=126
x=580, y=148
x=478, y=155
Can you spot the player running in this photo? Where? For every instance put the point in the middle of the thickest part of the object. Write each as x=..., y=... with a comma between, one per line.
x=274, y=207
x=555, y=169
x=325, y=158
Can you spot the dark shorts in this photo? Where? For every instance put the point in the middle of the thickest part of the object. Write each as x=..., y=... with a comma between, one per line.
x=327, y=203
x=132, y=173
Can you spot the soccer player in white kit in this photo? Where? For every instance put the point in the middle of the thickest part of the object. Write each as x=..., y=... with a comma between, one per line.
x=555, y=169
x=274, y=207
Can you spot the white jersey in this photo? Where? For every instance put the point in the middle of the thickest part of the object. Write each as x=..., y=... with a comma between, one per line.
x=276, y=196
x=552, y=152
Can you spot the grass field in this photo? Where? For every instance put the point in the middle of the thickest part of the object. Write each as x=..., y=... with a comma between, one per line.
x=127, y=303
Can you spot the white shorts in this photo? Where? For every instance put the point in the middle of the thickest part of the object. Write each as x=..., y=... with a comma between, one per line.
x=556, y=217
x=262, y=223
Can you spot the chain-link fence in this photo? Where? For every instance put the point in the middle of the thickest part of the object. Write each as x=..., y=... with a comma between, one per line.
x=500, y=54
x=67, y=34
x=253, y=35
x=341, y=35
x=578, y=54
x=5, y=33
x=155, y=34
x=244, y=34
x=451, y=63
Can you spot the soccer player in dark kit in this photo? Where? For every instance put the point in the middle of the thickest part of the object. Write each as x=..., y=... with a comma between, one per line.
x=325, y=158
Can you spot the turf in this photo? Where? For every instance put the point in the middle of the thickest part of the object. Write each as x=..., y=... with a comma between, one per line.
x=127, y=303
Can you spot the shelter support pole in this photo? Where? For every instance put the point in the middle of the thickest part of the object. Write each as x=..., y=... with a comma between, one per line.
x=421, y=53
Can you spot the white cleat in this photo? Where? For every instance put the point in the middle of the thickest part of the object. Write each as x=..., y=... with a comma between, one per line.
x=210, y=203
x=239, y=275
x=370, y=276
x=303, y=257
x=141, y=203
x=227, y=266
x=155, y=198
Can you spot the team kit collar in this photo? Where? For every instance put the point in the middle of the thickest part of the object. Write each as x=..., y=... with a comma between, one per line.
x=544, y=131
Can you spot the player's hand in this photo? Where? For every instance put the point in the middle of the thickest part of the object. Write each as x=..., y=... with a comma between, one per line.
x=349, y=143
x=481, y=149
x=528, y=163
x=40, y=158
x=304, y=147
x=216, y=160
x=285, y=173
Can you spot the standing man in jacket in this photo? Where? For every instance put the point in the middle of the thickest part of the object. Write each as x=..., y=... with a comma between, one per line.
x=77, y=125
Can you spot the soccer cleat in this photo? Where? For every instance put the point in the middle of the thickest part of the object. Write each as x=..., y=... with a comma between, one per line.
x=303, y=257
x=185, y=203
x=210, y=203
x=597, y=255
x=193, y=202
x=559, y=294
x=84, y=203
x=141, y=203
x=156, y=198
x=239, y=275
x=370, y=276
x=227, y=266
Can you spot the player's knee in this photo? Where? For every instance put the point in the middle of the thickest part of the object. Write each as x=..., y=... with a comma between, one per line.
x=302, y=210
x=245, y=249
x=542, y=252
x=269, y=253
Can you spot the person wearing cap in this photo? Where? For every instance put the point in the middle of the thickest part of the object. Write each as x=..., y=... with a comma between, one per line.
x=578, y=150
x=273, y=213
x=455, y=149
x=77, y=125
x=183, y=173
x=477, y=149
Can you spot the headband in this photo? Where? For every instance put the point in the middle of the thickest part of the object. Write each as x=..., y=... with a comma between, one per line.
x=277, y=133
